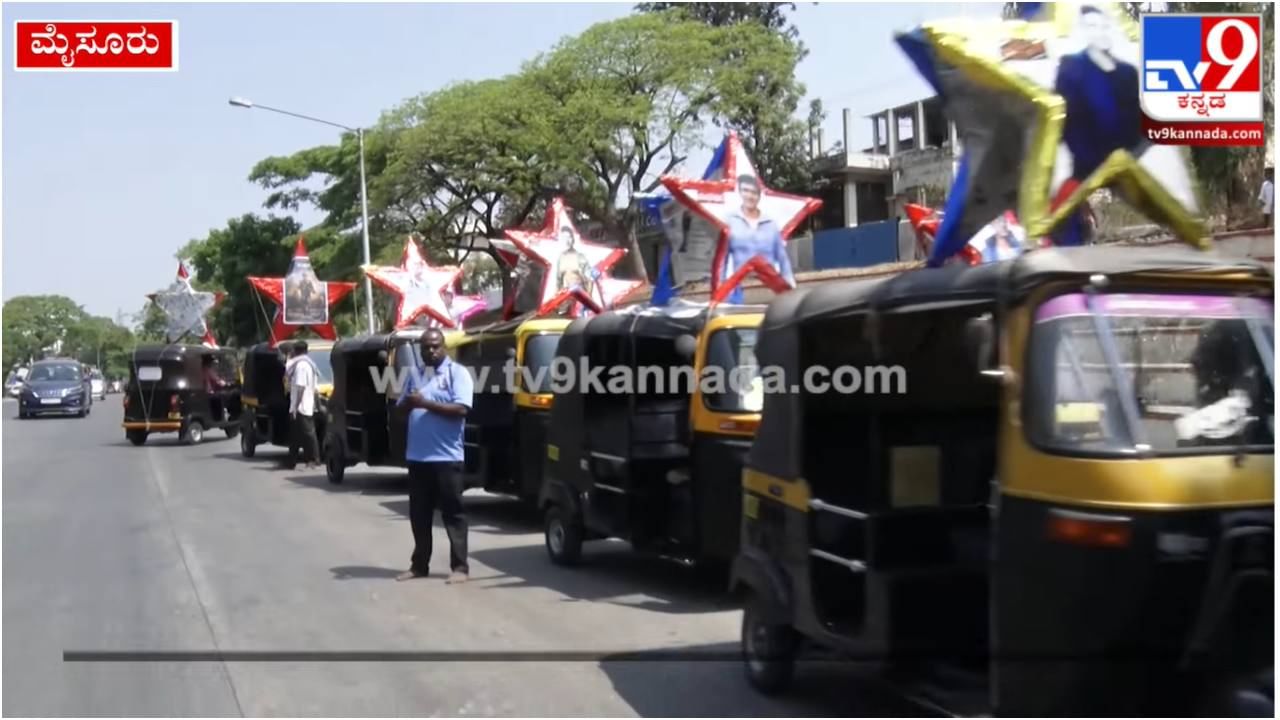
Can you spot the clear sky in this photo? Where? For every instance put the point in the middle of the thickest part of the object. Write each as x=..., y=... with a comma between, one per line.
x=106, y=175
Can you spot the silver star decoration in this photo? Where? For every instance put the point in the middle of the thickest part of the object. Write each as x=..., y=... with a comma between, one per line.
x=185, y=308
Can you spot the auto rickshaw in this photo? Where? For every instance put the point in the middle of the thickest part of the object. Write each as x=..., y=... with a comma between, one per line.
x=506, y=429
x=1067, y=510
x=361, y=424
x=265, y=395
x=658, y=467
x=187, y=389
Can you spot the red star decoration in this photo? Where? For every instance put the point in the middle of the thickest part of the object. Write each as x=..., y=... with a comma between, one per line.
x=462, y=307
x=273, y=288
x=611, y=289
x=180, y=293
x=926, y=222
x=715, y=201
x=419, y=287
x=546, y=248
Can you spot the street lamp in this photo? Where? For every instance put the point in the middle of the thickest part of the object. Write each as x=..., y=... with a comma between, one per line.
x=364, y=188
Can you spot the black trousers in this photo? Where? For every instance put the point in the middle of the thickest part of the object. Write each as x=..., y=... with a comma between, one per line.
x=303, y=434
x=432, y=486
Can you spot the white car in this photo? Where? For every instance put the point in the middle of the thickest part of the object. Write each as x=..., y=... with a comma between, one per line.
x=98, y=386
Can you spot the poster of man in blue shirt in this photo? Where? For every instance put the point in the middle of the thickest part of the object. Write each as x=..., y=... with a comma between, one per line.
x=753, y=234
x=437, y=398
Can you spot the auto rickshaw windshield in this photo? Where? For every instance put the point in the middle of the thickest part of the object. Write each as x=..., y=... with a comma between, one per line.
x=731, y=352
x=539, y=351
x=320, y=356
x=1167, y=374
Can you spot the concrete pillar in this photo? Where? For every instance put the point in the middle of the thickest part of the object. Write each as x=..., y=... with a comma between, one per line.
x=850, y=202
x=875, y=134
x=920, y=133
x=847, y=119
x=893, y=132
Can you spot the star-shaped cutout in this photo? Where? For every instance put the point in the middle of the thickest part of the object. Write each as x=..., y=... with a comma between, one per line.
x=419, y=287
x=979, y=248
x=301, y=280
x=720, y=202
x=185, y=308
x=1024, y=96
x=555, y=261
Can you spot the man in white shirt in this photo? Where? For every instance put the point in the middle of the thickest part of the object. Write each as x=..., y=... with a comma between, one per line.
x=303, y=377
x=1267, y=196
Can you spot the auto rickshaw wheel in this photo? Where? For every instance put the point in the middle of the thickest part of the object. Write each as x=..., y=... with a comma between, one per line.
x=335, y=466
x=248, y=444
x=137, y=437
x=768, y=651
x=563, y=537
x=193, y=433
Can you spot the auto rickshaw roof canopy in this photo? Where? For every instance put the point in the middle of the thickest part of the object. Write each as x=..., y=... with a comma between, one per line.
x=953, y=285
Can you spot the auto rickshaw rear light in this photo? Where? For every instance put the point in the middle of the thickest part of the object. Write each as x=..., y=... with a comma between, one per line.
x=173, y=403
x=739, y=425
x=1089, y=530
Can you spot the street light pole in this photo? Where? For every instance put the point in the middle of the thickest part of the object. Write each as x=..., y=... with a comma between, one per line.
x=364, y=189
x=364, y=230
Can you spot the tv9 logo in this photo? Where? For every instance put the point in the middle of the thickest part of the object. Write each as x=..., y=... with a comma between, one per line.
x=1202, y=68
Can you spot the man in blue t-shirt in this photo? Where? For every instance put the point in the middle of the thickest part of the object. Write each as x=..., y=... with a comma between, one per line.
x=752, y=234
x=438, y=398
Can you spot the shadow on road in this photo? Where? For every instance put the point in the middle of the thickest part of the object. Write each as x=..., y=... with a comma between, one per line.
x=610, y=572
x=709, y=681
x=487, y=514
x=362, y=572
x=362, y=484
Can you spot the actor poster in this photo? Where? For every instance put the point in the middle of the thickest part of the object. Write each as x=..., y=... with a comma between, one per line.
x=306, y=299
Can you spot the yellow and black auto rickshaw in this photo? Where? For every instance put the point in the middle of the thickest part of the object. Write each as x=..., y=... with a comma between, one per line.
x=1049, y=486
x=656, y=463
x=506, y=429
x=184, y=389
x=361, y=422
x=265, y=394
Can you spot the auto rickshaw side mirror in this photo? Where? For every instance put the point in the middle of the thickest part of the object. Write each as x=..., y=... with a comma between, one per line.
x=980, y=337
x=687, y=346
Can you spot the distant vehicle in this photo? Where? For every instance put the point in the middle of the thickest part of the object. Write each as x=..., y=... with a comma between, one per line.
x=115, y=386
x=98, y=384
x=56, y=386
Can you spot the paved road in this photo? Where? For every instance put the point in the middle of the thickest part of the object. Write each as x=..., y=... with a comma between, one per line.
x=113, y=547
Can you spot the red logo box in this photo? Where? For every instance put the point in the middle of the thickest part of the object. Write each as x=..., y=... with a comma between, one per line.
x=122, y=46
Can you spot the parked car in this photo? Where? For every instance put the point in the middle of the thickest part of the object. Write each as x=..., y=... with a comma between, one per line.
x=57, y=386
x=98, y=384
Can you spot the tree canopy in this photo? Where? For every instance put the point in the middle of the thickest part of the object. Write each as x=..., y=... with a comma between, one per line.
x=36, y=326
x=598, y=118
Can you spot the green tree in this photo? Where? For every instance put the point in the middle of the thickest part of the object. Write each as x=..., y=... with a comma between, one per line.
x=36, y=325
x=759, y=93
x=631, y=99
x=99, y=341
x=249, y=245
x=772, y=15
